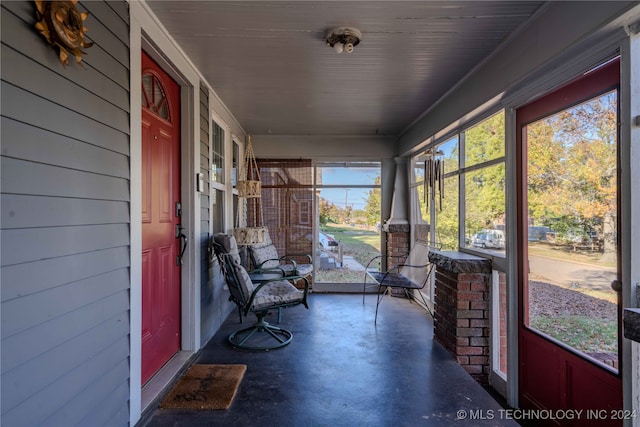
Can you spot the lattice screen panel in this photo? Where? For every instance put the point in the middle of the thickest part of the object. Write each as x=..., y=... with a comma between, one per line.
x=287, y=204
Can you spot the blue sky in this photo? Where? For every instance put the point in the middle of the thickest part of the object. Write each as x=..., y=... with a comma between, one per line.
x=355, y=197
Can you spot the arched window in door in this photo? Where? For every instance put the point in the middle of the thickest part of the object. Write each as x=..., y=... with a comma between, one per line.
x=154, y=96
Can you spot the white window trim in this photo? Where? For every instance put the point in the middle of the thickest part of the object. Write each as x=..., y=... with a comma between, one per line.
x=225, y=147
x=498, y=378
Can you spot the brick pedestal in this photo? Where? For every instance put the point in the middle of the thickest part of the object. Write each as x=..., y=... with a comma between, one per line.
x=462, y=304
x=398, y=246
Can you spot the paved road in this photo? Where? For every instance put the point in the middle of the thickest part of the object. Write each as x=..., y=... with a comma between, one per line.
x=567, y=273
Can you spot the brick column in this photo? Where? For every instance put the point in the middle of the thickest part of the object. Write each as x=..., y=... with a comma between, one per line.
x=462, y=304
x=398, y=236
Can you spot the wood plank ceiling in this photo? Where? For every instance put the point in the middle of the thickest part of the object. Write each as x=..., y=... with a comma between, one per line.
x=268, y=61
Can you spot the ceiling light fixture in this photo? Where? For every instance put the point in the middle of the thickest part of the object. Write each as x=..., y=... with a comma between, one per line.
x=343, y=39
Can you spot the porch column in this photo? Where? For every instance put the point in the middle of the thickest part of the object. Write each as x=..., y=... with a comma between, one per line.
x=397, y=226
x=461, y=309
x=400, y=199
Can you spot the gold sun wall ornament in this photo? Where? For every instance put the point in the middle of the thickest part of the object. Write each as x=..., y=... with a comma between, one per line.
x=62, y=25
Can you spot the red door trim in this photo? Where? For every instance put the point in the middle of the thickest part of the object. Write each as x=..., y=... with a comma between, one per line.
x=585, y=87
x=599, y=81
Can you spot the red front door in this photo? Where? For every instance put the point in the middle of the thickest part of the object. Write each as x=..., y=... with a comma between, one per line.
x=569, y=315
x=160, y=220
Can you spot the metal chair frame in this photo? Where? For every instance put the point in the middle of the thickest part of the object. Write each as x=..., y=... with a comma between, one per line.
x=393, y=278
x=242, y=338
x=283, y=260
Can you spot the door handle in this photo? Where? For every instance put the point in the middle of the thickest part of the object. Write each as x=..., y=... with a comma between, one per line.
x=616, y=285
x=185, y=239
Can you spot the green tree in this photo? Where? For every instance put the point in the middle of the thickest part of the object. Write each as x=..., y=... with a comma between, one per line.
x=447, y=224
x=372, y=204
x=485, y=187
x=447, y=229
x=572, y=169
x=328, y=212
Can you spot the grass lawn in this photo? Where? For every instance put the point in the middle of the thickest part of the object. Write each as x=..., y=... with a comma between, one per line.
x=586, y=334
x=358, y=243
x=362, y=245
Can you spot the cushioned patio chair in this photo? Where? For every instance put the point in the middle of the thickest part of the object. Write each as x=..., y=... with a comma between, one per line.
x=258, y=298
x=229, y=245
x=265, y=257
x=411, y=275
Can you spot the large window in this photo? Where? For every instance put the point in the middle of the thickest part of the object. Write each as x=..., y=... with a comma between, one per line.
x=474, y=167
x=440, y=208
x=484, y=190
x=446, y=215
x=348, y=197
x=447, y=219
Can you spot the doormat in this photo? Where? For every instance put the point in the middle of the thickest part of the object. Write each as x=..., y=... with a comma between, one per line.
x=205, y=387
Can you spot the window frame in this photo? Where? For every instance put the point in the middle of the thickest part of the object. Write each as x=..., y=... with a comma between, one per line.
x=228, y=193
x=461, y=172
x=318, y=186
x=218, y=157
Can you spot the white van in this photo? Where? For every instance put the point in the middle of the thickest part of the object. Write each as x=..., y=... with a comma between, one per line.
x=488, y=239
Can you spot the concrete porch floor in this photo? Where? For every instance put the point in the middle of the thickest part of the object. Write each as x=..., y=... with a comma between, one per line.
x=342, y=370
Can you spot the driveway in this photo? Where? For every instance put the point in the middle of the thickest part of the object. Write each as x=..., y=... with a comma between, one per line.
x=568, y=273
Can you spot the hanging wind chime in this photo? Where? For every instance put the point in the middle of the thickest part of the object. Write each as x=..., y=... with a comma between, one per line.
x=433, y=177
x=249, y=192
